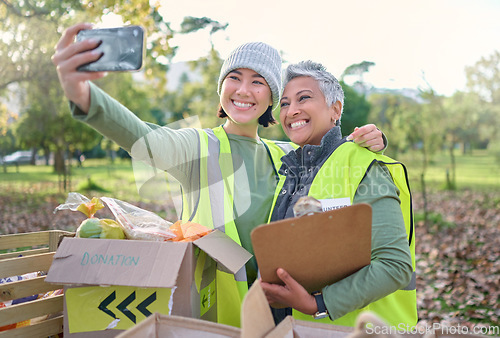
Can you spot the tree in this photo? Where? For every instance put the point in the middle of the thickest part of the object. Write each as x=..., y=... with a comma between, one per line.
x=29, y=33
x=358, y=70
x=356, y=109
x=197, y=98
x=191, y=24
x=391, y=112
x=202, y=96
x=426, y=134
x=483, y=79
x=7, y=140
x=31, y=29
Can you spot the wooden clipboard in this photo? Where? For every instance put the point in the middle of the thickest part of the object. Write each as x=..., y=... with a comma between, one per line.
x=317, y=250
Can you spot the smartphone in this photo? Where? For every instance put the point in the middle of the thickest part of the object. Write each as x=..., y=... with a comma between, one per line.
x=122, y=48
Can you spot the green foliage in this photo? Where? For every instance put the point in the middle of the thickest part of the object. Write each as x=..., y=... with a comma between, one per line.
x=356, y=110
x=483, y=80
x=7, y=141
x=197, y=98
x=48, y=8
x=391, y=112
x=191, y=24
x=358, y=69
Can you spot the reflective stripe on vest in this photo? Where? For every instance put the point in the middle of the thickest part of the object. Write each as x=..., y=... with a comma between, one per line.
x=348, y=165
x=214, y=209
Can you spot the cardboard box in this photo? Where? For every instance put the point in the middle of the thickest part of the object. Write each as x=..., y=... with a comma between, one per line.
x=114, y=284
x=316, y=250
x=256, y=319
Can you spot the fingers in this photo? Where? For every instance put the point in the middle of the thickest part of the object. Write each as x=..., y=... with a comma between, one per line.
x=69, y=35
x=67, y=61
x=368, y=136
x=374, y=145
x=287, y=279
x=69, y=51
x=365, y=132
x=273, y=292
x=77, y=53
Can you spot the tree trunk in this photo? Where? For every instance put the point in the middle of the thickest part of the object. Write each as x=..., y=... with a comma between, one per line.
x=59, y=165
x=61, y=170
x=422, y=182
x=452, y=184
x=46, y=155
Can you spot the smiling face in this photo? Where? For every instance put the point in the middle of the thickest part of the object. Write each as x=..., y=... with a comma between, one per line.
x=245, y=96
x=305, y=116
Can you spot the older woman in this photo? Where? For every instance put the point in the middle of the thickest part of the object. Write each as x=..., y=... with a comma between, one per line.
x=333, y=170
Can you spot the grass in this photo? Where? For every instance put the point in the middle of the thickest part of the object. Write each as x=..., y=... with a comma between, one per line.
x=116, y=178
x=477, y=171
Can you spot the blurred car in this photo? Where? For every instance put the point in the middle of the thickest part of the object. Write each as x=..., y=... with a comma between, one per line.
x=17, y=158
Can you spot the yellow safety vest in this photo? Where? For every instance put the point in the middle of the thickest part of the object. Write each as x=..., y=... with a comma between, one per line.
x=214, y=209
x=339, y=177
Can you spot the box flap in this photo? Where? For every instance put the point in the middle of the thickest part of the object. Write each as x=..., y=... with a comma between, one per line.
x=158, y=325
x=256, y=317
x=117, y=262
x=230, y=255
x=290, y=327
x=316, y=250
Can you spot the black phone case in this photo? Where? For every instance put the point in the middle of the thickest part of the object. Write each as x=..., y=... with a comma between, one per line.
x=122, y=48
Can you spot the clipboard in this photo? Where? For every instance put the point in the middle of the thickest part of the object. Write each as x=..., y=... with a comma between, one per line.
x=316, y=250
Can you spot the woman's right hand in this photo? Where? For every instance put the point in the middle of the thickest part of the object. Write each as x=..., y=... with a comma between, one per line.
x=68, y=57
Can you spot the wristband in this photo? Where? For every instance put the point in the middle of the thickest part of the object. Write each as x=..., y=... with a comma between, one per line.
x=322, y=311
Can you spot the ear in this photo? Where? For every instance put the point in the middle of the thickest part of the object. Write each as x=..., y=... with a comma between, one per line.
x=336, y=110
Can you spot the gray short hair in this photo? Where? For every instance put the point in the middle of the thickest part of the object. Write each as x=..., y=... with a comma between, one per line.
x=328, y=84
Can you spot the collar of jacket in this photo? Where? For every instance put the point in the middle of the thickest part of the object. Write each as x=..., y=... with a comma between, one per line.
x=312, y=156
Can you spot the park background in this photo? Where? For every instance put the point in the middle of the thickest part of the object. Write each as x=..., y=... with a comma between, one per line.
x=443, y=126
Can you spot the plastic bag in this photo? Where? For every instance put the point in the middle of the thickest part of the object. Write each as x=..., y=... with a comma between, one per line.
x=136, y=223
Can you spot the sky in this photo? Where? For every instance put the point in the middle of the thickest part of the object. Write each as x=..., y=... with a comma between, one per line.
x=414, y=44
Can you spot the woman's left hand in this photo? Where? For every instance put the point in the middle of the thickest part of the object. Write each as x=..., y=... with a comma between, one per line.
x=368, y=136
x=291, y=294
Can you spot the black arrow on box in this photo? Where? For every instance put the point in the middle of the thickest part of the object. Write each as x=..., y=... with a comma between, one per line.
x=142, y=307
x=104, y=304
x=145, y=303
x=123, y=307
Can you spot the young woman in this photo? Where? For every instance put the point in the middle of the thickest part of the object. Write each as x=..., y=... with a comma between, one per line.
x=228, y=174
x=331, y=169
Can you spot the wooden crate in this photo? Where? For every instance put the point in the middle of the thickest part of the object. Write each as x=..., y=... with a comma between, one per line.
x=27, y=253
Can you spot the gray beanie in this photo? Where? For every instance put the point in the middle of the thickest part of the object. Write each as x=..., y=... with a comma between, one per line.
x=259, y=57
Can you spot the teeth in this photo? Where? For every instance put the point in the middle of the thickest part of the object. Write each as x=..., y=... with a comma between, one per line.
x=298, y=124
x=242, y=104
